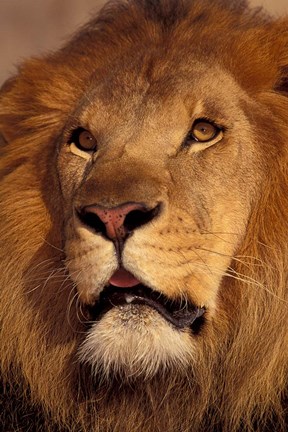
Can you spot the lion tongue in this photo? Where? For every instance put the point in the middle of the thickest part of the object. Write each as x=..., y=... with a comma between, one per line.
x=123, y=279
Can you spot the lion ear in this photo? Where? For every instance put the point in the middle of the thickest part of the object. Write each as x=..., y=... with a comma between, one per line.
x=6, y=132
x=279, y=45
x=3, y=141
x=282, y=84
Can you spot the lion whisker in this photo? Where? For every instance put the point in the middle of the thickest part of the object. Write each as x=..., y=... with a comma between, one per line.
x=44, y=263
x=239, y=277
x=237, y=258
x=52, y=246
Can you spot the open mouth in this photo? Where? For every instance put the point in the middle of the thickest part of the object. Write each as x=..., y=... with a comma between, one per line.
x=181, y=314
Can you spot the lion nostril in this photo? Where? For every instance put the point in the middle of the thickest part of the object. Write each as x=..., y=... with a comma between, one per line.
x=117, y=223
x=92, y=220
x=137, y=218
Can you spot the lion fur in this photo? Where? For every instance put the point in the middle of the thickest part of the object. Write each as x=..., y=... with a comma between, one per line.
x=241, y=381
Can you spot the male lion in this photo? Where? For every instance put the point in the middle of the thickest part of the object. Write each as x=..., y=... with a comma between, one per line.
x=143, y=220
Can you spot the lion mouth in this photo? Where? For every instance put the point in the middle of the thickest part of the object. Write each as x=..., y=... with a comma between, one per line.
x=179, y=313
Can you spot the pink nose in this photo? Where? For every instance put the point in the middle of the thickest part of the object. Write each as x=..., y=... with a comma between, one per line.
x=116, y=223
x=113, y=218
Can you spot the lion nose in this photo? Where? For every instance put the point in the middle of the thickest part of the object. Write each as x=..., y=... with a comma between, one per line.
x=116, y=223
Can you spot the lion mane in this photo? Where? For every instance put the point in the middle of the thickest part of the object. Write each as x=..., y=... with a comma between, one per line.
x=137, y=76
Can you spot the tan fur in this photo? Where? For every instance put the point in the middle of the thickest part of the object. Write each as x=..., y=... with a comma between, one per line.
x=137, y=77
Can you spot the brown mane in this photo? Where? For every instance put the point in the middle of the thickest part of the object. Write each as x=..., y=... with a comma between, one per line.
x=241, y=382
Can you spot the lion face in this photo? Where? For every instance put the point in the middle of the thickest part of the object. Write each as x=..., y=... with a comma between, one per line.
x=172, y=170
x=143, y=213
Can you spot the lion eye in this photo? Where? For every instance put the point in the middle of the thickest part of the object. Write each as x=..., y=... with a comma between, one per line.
x=84, y=140
x=203, y=131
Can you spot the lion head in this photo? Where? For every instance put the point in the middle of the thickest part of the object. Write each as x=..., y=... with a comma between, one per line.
x=143, y=220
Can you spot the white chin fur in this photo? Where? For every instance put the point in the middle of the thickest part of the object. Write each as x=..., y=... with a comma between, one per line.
x=135, y=341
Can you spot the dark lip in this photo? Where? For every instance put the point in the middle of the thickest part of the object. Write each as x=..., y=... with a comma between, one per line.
x=179, y=313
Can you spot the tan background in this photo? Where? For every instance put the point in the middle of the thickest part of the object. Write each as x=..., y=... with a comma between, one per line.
x=28, y=27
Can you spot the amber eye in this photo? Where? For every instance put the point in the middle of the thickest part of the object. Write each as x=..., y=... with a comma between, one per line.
x=203, y=131
x=84, y=140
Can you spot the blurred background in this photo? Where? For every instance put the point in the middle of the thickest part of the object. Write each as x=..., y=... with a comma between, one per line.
x=28, y=27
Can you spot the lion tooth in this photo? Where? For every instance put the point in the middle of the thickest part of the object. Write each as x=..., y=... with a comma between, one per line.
x=129, y=298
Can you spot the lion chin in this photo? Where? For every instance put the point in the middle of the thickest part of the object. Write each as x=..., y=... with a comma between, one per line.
x=143, y=224
x=131, y=341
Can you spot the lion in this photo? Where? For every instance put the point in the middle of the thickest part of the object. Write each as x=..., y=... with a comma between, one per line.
x=143, y=220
